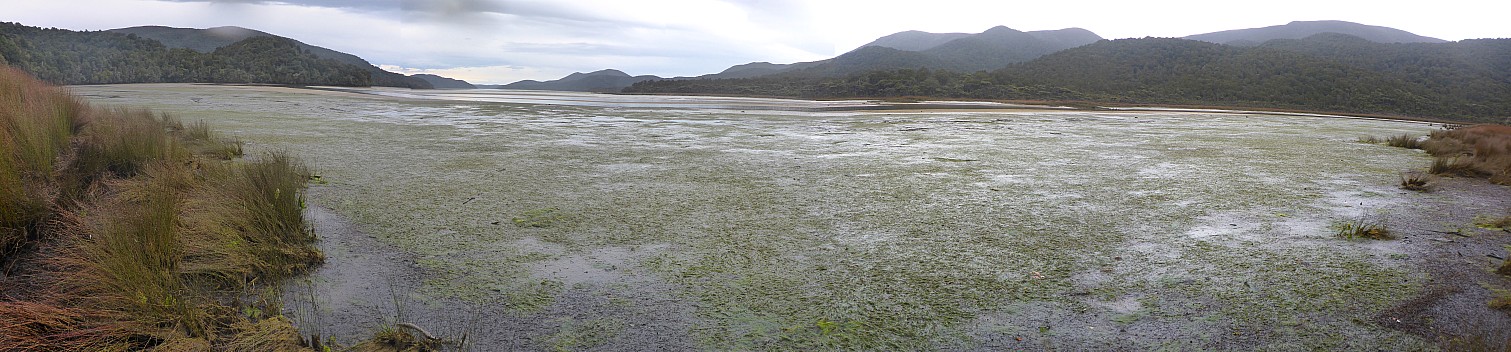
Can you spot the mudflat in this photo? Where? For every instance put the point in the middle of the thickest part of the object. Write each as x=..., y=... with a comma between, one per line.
x=627, y=223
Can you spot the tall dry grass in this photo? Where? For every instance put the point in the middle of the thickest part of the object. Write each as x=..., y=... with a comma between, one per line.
x=1474, y=151
x=36, y=124
x=153, y=240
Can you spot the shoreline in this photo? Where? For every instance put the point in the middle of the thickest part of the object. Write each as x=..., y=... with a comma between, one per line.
x=878, y=105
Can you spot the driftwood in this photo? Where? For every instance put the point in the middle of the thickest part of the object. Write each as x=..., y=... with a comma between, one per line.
x=431, y=338
x=423, y=333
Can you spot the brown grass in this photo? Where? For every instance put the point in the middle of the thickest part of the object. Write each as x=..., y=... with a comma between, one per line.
x=153, y=242
x=36, y=326
x=1474, y=151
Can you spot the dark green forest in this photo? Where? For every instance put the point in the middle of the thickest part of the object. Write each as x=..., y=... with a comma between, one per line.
x=1468, y=80
x=70, y=57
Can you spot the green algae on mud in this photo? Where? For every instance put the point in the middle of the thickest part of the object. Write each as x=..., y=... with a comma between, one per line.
x=954, y=230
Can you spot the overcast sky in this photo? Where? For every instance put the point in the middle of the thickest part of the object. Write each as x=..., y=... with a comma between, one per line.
x=501, y=41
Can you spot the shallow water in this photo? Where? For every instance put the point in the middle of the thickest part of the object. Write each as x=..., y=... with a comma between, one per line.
x=734, y=223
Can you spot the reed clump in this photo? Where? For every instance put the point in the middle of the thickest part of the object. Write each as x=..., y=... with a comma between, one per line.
x=137, y=232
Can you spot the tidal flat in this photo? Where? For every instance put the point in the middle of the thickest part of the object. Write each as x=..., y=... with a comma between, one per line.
x=615, y=225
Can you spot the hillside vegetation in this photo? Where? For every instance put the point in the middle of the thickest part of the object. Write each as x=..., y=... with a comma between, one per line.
x=991, y=49
x=128, y=230
x=1466, y=80
x=70, y=57
x=209, y=39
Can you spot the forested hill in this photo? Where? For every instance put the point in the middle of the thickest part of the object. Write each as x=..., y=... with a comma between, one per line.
x=1303, y=29
x=209, y=39
x=72, y=57
x=1468, y=80
x=991, y=49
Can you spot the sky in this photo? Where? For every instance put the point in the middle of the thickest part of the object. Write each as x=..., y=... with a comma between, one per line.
x=502, y=41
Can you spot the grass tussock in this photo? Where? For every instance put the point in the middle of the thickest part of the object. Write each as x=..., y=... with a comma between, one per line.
x=1505, y=268
x=153, y=239
x=1500, y=299
x=1362, y=228
x=1473, y=151
x=1404, y=141
x=1416, y=181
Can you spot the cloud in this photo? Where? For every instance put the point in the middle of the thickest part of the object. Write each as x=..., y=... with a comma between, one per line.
x=663, y=37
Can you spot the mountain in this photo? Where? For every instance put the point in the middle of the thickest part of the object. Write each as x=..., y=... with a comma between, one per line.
x=1000, y=46
x=69, y=57
x=207, y=40
x=988, y=50
x=1303, y=29
x=444, y=83
x=201, y=40
x=915, y=40
x=609, y=80
x=1467, y=81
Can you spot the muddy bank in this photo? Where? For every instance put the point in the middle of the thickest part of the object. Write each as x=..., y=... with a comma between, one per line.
x=1438, y=231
